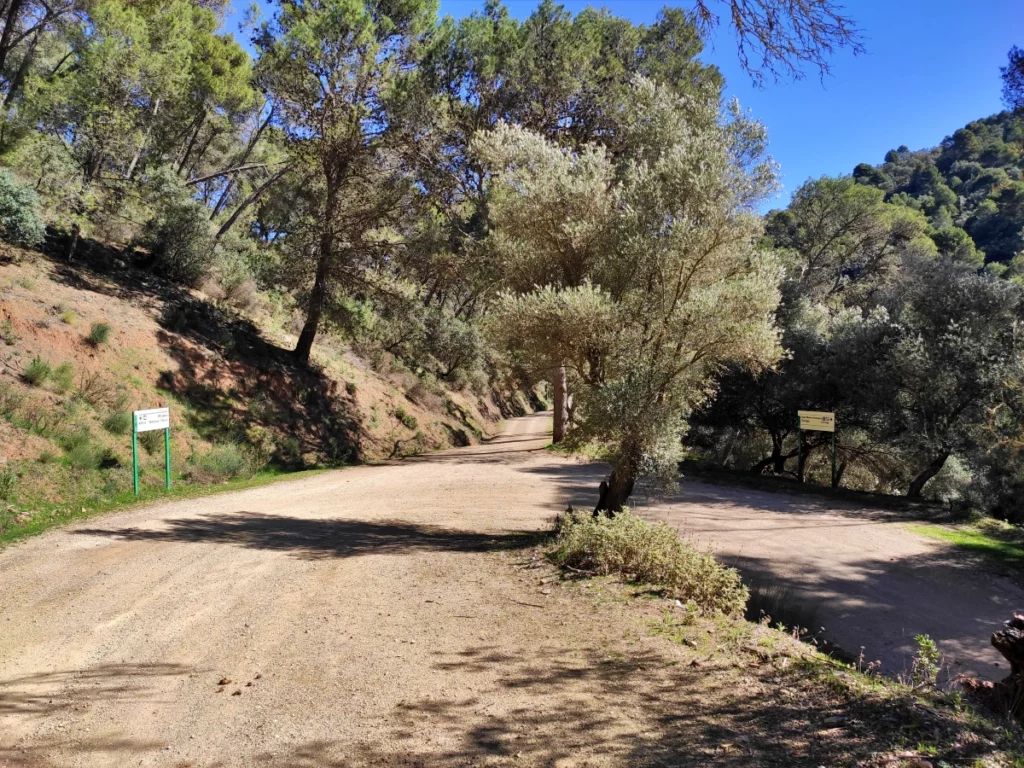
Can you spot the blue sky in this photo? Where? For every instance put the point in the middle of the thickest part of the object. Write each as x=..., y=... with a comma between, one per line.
x=930, y=67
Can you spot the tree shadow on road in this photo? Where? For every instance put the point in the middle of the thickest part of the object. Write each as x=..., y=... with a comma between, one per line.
x=309, y=539
x=544, y=707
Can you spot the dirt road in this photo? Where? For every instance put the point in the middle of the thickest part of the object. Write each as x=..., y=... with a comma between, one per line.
x=381, y=615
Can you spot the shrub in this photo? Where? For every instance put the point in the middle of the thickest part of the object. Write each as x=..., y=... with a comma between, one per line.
x=37, y=372
x=151, y=441
x=8, y=482
x=63, y=378
x=407, y=419
x=227, y=460
x=7, y=333
x=119, y=423
x=99, y=334
x=179, y=235
x=20, y=222
x=84, y=457
x=68, y=317
x=646, y=553
x=10, y=400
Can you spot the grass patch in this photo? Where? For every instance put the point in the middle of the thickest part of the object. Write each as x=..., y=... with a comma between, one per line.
x=99, y=334
x=47, y=516
x=63, y=378
x=118, y=423
x=647, y=553
x=7, y=334
x=408, y=420
x=37, y=372
x=987, y=540
x=68, y=317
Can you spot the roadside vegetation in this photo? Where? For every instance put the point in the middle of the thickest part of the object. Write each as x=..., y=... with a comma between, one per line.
x=809, y=706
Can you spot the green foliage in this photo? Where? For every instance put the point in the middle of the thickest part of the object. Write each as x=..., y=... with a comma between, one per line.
x=227, y=461
x=8, y=482
x=37, y=372
x=84, y=456
x=647, y=553
x=7, y=334
x=407, y=419
x=68, y=317
x=656, y=238
x=63, y=378
x=925, y=665
x=99, y=334
x=179, y=235
x=151, y=441
x=118, y=423
x=20, y=222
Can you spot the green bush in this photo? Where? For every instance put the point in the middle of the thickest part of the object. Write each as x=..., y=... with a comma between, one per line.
x=7, y=333
x=20, y=222
x=646, y=553
x=63, y=378
x=407, y=419
x=227, y=460
x=68, y=317
x=8, y=482
x=84, y=456
x=99, y=334
x=151, y=441
x=179, y=236
x=119, y=423
x=37, y=372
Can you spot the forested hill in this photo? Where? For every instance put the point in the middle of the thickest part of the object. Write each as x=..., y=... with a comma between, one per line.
x=973, y=181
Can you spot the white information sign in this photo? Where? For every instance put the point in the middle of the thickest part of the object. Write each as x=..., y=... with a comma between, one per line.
x=154, y=418
x=820, y=421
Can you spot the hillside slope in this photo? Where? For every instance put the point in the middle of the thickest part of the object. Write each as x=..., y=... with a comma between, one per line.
x=239, y=404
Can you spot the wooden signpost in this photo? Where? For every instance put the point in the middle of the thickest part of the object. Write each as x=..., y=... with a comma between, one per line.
x=817, y=421
x=147, y=421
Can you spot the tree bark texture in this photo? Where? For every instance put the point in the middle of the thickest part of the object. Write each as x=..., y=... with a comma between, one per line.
x=561, y=414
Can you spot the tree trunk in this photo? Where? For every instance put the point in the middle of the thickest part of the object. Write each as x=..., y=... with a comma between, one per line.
x=319, y=293
x=615, y=492
x=19, y=77
x=918, y=483
x=1008, y=693
x=10, y=24
x=561, y=415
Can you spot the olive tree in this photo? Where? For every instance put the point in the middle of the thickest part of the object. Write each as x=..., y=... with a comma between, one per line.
x=668, y=282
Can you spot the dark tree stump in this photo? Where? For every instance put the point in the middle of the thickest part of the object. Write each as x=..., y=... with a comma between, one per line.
x=1009, y=692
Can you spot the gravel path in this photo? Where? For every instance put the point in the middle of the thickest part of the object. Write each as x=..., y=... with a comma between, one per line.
x=384, y=615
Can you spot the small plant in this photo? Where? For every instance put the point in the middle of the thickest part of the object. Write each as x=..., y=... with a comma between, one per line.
x=8, y=482
x=47, y=457
x=10, y=400
x=227, y=460
x=10, y=338
x=84, y=456
x=99, y=334
x=351, y=388
x=96, y=391
x=68, y=317
x=119, y=423
x=151, y=441
x=37, y=372
x=408, y=420
x=926, y=663
x=63, y=378
x=647, y=553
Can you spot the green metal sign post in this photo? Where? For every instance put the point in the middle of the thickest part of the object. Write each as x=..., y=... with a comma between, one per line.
x=148, y=421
